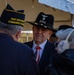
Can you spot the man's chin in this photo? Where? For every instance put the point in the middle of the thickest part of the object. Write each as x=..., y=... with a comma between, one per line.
x=38, y=40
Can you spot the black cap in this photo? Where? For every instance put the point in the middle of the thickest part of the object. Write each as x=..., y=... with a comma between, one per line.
x=63, y=27
x=11, y=16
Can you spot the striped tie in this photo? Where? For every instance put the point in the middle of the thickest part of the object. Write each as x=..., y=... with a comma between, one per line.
x=37, y=53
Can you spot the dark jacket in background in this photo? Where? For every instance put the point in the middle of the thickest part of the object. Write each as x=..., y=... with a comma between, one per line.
x=62, y=64
x=49, y=50
x=16, y=58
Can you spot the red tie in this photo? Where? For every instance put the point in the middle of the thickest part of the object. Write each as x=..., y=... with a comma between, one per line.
x=38, y=53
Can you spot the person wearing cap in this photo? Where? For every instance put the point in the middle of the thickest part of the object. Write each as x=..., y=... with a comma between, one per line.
x=64, y=36
x=15, y=58
x=61, y=28
x=65, y=48
x=63, y=62
x=42, y=30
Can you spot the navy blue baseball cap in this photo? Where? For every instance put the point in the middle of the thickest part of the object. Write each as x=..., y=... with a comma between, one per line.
x=63, y=27
x=12, y=17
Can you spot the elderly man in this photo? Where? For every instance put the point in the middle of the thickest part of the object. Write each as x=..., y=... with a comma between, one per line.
x=15, y=58
x=43, y=49
x=63, y=62
x=66, y=41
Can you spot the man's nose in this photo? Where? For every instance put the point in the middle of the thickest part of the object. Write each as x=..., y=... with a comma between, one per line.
x=39, y=30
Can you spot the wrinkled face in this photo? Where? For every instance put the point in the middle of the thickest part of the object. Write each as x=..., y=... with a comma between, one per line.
x=40, y=34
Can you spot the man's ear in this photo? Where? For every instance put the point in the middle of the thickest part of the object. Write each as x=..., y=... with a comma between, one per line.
x=50, y=32
x=17, y=35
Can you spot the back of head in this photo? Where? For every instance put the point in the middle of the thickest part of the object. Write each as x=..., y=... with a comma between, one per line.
x=60, y=29
x=66, y=37
x=11, y=18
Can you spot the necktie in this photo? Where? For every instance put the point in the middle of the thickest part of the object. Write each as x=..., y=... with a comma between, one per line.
x=37, y=53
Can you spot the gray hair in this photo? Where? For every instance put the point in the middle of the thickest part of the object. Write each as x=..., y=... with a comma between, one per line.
x=63, y=34
x=9, y=28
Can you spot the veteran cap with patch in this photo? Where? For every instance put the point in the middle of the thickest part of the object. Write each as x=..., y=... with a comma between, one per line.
x=12, y=17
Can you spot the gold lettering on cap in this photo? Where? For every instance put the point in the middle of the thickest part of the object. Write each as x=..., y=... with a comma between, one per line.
x=16, y=21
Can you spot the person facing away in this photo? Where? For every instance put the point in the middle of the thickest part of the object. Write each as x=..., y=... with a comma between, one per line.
x=61, y=27
x=65, y=60
x=63, y=63
x=15, y=58
x=42, y=29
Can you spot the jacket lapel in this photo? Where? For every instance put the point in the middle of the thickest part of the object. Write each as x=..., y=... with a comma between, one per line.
x=46, y=55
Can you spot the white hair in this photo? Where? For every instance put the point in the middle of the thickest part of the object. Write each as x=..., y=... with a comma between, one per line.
x=62, y=35
x=9, y=28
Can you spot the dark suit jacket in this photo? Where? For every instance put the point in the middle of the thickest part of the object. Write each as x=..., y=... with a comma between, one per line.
x=49, y=50
x=16, y=58
x=62, y=64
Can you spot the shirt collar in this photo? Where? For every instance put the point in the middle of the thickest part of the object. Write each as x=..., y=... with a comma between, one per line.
x=41, y=45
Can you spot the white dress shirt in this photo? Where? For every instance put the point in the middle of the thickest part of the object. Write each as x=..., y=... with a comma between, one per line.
x=41, y=45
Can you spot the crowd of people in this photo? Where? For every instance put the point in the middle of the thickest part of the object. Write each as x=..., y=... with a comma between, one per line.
x=41, y=56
